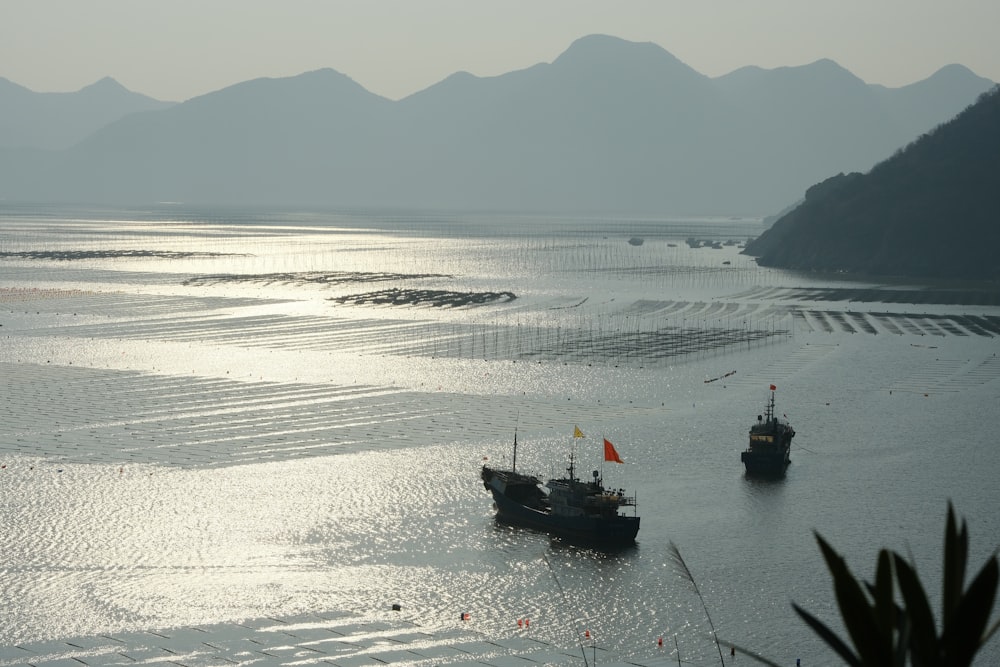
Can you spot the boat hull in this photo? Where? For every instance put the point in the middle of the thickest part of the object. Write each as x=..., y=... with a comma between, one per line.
x=765, y=464
x=770, y=443
x=616, y=530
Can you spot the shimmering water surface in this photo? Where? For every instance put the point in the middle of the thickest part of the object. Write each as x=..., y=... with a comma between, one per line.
x=221, y=415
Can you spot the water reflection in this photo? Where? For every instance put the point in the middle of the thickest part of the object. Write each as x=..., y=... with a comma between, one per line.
x=182, y=454
x=758, y=484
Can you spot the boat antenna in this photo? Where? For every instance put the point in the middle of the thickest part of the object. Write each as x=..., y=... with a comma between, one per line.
x=562, y=592
x=517, y=418
x=577, y=433
x=572, y=452
x=602, y=467
x=513, y=466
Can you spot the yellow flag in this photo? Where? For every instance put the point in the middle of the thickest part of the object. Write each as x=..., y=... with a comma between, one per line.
x=577, y=433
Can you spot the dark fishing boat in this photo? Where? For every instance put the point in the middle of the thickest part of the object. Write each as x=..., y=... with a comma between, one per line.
x=568, y=507
x=770, y=444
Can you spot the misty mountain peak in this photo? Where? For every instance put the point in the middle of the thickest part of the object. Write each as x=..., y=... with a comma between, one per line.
x=829, y=70
x=321, y=87
x=107, y=90
x=949, y=82
x=326, y=75
x=954, y=72
x=325, y=78
x=105, y=86
x=602, y=51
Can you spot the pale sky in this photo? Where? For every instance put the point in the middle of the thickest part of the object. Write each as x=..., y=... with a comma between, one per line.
x=178, y=49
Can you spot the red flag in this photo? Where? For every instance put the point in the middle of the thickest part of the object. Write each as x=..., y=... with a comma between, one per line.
x=773, y=387
x=610, y=454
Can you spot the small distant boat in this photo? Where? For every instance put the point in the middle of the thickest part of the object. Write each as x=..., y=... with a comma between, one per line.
x=569, y=508
x=636, y=240
x=770, y=444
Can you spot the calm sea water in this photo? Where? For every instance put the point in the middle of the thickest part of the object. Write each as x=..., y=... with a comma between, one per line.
x=218, y=415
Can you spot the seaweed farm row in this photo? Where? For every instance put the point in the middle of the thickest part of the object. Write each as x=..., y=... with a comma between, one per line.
x=646, y=334
x=596, y=340
x=920, y=324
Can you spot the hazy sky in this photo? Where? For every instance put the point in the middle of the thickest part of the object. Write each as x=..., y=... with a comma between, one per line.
x=178, y=49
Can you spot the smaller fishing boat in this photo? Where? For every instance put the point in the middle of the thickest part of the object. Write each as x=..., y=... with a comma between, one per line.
x=770, y=444
x=567, y=507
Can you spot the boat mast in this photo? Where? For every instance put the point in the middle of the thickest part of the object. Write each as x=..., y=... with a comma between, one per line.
x=513, y=467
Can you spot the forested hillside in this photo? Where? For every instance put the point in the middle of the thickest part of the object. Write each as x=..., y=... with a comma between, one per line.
x=932, y=210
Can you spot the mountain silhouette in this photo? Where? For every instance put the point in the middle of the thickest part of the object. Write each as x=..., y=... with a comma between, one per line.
x=929, y=211
x=56, y=121
x=287, y=138
x=609, y=125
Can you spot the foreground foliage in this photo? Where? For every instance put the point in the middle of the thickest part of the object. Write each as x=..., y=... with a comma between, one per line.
x=886, y=630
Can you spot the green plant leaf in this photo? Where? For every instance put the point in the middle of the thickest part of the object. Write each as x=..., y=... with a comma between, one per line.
x=856, y=611
x=829, y=636
x=956, y=554
x=893, y=626
x=882, y=592
x=902, y=648
x=963, y=633
x=900, y=645
x=924, y=645
x=989, y=633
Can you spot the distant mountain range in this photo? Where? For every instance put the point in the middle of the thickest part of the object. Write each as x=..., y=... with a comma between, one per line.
x=610, y=125
x=932, y=210
x=54, y=121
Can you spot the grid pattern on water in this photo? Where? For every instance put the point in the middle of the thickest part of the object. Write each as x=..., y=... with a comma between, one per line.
x=82, y=415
